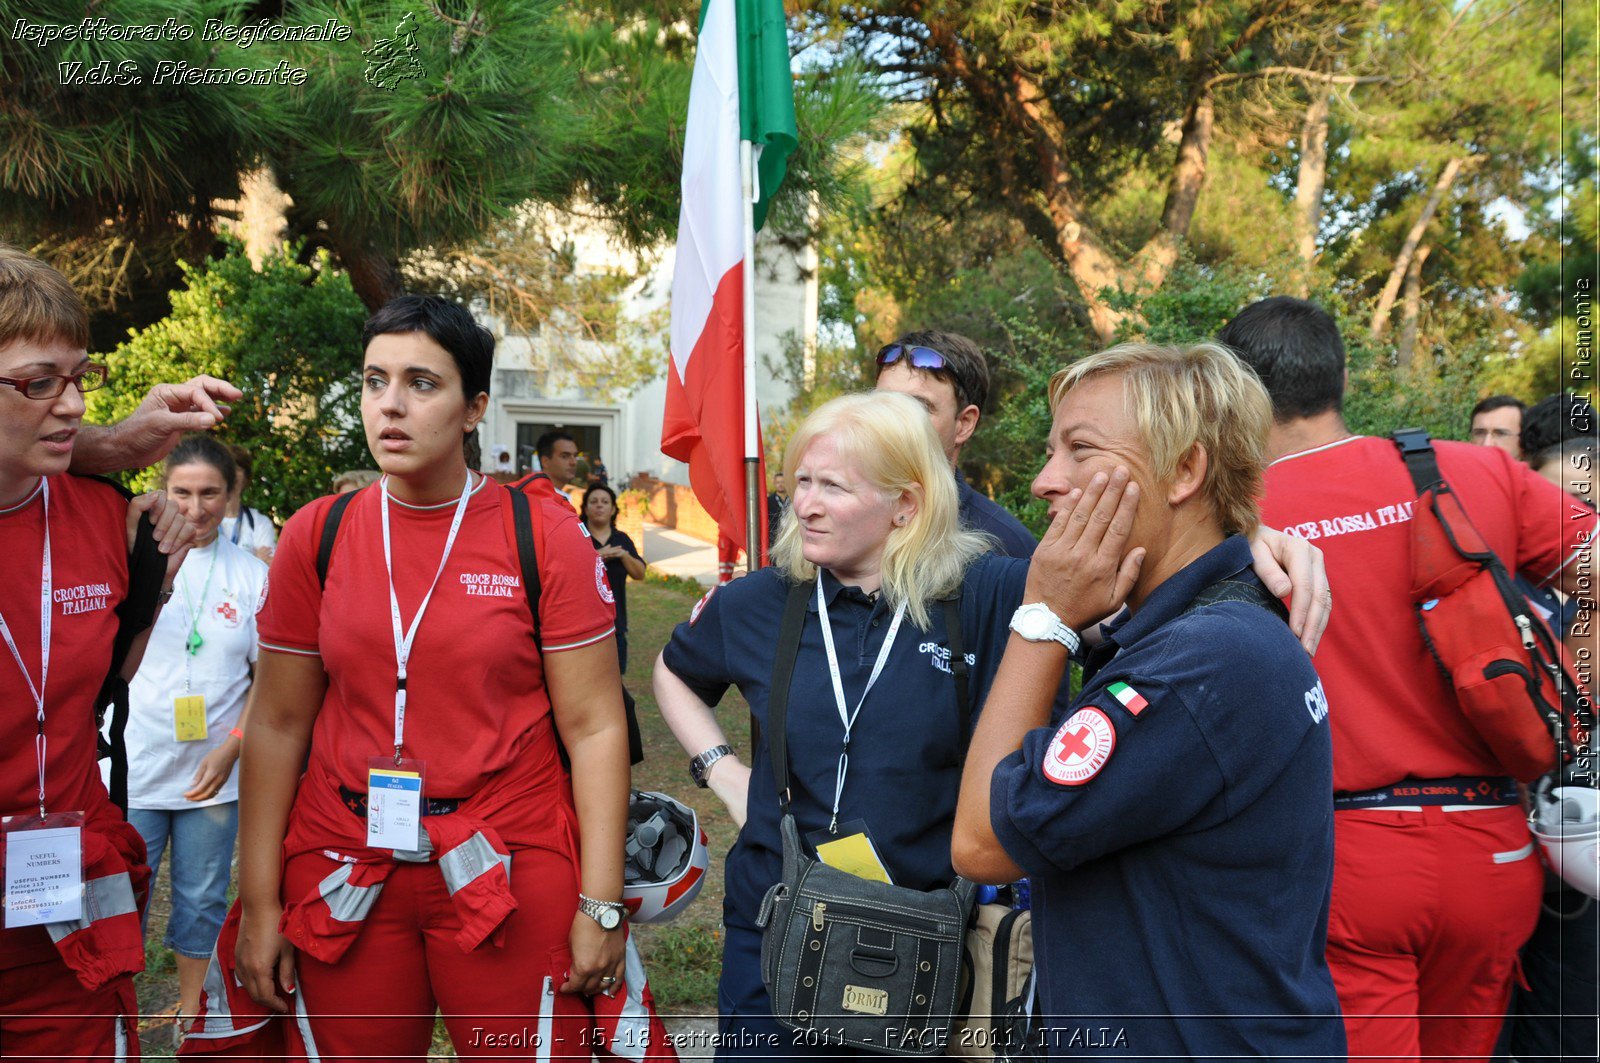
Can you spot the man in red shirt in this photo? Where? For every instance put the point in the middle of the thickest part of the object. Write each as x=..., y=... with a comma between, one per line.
x=1432, y=896
x=558, y=467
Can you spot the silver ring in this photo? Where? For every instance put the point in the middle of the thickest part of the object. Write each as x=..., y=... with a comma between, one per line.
x=607, y=980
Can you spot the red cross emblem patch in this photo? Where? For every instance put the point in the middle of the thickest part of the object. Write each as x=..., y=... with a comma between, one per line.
x=1081, y=748
x=227, y=612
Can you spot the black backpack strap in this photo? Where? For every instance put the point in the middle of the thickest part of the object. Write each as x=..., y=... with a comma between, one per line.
x=958, y=664
x=330, y=532
x=794, y=622
x=1416, y=449
x=527, y=555
x=147, y=570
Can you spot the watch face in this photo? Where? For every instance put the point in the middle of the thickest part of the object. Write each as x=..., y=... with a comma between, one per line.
x=610, y=919
x=1033, y=624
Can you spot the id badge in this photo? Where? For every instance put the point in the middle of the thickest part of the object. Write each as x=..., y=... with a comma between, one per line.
x=394, y=804
x=851, y=850
x=44, y=868
x=189, y=717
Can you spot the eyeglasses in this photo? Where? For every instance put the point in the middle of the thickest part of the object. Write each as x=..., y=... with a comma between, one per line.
x=920, y=357
x=88, y=378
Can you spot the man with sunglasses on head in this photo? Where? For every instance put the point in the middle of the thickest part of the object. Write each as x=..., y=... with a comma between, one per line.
x=948, y=375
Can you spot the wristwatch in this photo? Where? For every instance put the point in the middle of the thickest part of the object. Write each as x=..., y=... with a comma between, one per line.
x=700, y=765
x=609, y=914
x=1036, y=623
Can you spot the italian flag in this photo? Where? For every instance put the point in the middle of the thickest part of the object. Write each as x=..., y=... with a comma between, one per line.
x=741, y=90
x=1131, y=699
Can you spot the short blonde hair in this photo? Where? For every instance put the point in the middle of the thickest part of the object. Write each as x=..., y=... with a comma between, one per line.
x=1184, y=397
x=891, y=439
x=37, y=303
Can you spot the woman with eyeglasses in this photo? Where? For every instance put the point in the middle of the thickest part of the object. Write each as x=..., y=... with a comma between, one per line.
x=76, y=874
x=876, y=727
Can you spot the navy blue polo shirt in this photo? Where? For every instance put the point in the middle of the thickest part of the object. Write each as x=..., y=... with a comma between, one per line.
x=1177, y=823
x=906, y=748
x=981, y=513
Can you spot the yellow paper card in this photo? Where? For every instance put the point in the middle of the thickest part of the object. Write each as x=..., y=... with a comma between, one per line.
x=855, y=854
x=189, y=718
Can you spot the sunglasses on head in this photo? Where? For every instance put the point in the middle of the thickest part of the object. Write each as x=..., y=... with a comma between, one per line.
x=920, y=357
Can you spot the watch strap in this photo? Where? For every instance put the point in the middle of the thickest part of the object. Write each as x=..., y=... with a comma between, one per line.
x=700, y=765
x=594, y=908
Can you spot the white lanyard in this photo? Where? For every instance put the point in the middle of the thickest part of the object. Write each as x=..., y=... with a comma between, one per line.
x=46, y=588
x=847, y=717
x=402, y=644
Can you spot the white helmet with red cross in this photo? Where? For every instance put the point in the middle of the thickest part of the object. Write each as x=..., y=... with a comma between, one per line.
x=666, y=857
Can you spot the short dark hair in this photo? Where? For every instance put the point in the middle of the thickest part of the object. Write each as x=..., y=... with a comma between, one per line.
x=1554, y=420
x=545, y=445
x=591, y=489
x=1498, y=402
x=200, y=448
x=1295, y=348
x=964, y=364
x=445, y=323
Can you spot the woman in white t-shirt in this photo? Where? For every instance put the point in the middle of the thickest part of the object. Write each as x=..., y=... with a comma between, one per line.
x=249, y=529
x=186, y=707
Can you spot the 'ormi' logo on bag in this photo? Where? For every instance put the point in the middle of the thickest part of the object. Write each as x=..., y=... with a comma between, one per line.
x=866, y=1001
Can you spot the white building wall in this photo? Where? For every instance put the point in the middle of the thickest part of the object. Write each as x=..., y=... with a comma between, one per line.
x=630, y=428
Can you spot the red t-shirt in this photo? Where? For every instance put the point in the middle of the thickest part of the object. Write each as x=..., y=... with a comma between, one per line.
x=538, y=486
x=475, y=695
x=1393, y=713
x=89, y=577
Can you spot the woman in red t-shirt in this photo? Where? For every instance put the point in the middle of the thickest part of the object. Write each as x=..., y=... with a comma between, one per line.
x=66, y=978
x=434, y=854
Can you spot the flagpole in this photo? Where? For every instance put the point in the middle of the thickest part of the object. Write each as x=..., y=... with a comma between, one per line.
x=752, y=437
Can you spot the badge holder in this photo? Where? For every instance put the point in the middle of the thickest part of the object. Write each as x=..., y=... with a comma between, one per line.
x=189, y=718
x=850, y=849
x=44, y=868
x=394, y=803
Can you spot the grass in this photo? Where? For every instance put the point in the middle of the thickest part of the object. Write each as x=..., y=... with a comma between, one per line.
x=682, y=957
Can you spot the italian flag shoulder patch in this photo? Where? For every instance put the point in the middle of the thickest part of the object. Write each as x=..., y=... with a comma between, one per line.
x=1131, y=699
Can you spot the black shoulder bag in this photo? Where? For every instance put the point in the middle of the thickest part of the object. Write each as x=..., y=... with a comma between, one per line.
x=847, y=960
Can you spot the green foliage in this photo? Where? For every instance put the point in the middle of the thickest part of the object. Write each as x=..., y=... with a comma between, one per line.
x=828, y=371
x=684, y=962
x=288, y=336
x=1192, y=307
x=437, y=157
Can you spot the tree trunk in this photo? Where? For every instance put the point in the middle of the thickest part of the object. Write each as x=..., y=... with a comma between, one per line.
x=1410, y=308
x=1402, y=263
x=1091, y=265
x=1313, y=175
x=375, y=278
x=1160, y=254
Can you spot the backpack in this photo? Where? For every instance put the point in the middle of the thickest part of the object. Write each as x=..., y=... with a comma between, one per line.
x=996, y=983
x=147, y=570
x=1513, y=677
x=524, y=527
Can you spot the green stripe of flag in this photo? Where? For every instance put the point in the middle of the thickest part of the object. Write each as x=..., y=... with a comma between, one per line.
x=1131, y=699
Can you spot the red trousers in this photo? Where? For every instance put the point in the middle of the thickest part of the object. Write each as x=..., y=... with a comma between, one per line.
x=379, y=1000
x=1429, y=909
x=46, y=1014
